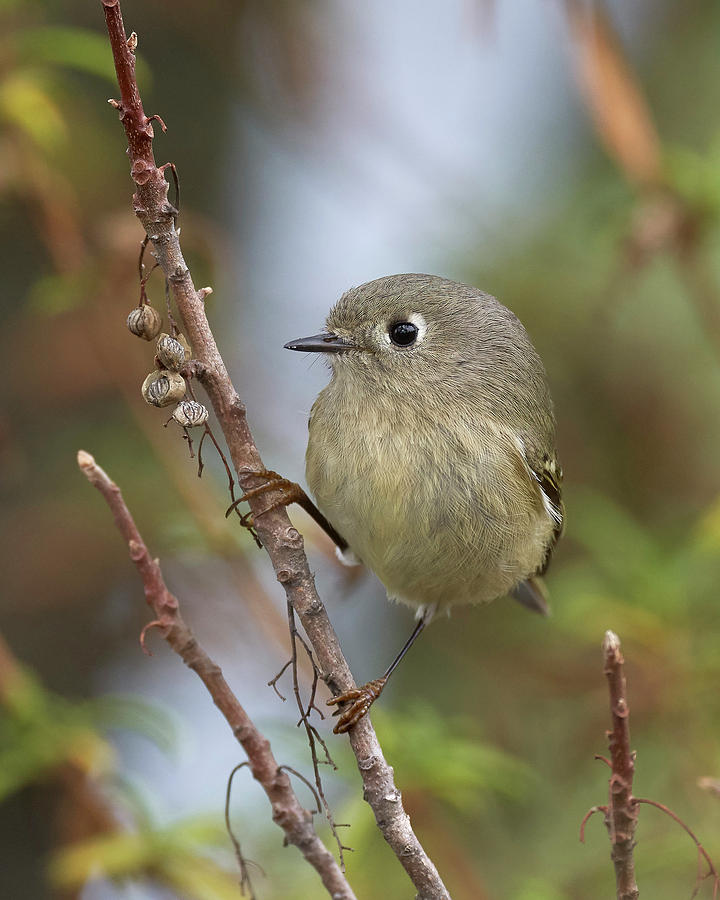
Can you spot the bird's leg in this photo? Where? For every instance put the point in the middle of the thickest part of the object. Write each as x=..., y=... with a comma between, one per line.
x=362, y=698
x=291, y=492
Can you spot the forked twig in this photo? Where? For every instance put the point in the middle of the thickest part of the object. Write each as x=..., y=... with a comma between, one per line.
x=313, y=737
x=245, y=882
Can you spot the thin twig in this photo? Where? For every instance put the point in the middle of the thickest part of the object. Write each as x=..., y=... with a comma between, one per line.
x=281, y=541
x=274, y=680
x=712, y=872
x=287, y=811
x=307, y=783
x=174, y=330
x=245, y=882
x=586, y=818
x=311, y=733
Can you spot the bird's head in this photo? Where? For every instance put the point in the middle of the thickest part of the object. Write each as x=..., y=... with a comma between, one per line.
x=419, y=326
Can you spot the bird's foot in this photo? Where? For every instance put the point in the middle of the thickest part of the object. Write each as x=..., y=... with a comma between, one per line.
x=290, y=492
x=360, y=700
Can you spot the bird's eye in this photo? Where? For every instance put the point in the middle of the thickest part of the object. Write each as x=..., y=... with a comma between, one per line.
x=403, y=333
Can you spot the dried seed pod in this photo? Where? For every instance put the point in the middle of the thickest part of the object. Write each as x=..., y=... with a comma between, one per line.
x=189, y=413
x=186, y=344
x=170, y=352
x=144, y=321
x=161, y=388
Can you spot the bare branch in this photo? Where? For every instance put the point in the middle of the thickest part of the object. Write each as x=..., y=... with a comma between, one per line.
x=282, y=542
x=287, y=812
x=621, y=815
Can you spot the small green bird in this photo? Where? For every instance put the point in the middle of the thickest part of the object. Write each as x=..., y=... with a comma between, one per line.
x=432, y=449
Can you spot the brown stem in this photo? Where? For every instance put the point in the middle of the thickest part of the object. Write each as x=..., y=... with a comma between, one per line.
x=282, y=542
x=621, y=815
x=622, y=812
x=287, y=812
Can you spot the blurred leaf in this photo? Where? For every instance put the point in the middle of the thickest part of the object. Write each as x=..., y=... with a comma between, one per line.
x=617, y=543
x=38, y=731
x=114, y=855
x=198, y=831
x=73, y=48
x=174, y=853
x=644, y=577
x=54, y=294
x=27, y=753
x=440, y=757
x=535, y=888
x=620, y=113
x=135, y=714
x=134, y=795
x=196, y=876
x=707, y=532
x=26, y=104
x=696, y=176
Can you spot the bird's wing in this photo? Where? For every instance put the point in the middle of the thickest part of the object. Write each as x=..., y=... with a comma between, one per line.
x=544, y=471
x=548, y=474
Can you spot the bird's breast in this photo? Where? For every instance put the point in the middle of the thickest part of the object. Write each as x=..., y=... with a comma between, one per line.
x=431, y=501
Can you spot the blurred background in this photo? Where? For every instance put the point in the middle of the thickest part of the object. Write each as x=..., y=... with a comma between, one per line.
x=561, y=155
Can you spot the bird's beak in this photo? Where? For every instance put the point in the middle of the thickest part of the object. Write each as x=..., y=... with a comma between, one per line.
x=320, y=343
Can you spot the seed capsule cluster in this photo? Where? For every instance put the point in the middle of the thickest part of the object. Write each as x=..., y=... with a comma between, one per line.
x=165, y=385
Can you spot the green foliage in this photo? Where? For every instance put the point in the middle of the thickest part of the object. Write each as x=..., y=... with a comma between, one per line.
x=696, y=175
x=26, y=104
x=40, y=730
x=128, y=712
x=447, y=759
x=69, y=48
x=54, y=294
x=36, y=89
x=175, y=855
x=534, y=888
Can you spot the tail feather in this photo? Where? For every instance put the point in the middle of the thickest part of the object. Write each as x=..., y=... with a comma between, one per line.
x=533, y=594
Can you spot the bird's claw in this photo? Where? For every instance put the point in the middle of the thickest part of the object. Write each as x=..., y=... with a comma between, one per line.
x=361, y=699
x=289, y=490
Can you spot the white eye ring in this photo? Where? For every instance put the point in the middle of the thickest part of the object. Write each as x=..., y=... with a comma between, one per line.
x=415, y=319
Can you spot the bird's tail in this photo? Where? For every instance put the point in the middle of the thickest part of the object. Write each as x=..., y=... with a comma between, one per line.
x=533, y=594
